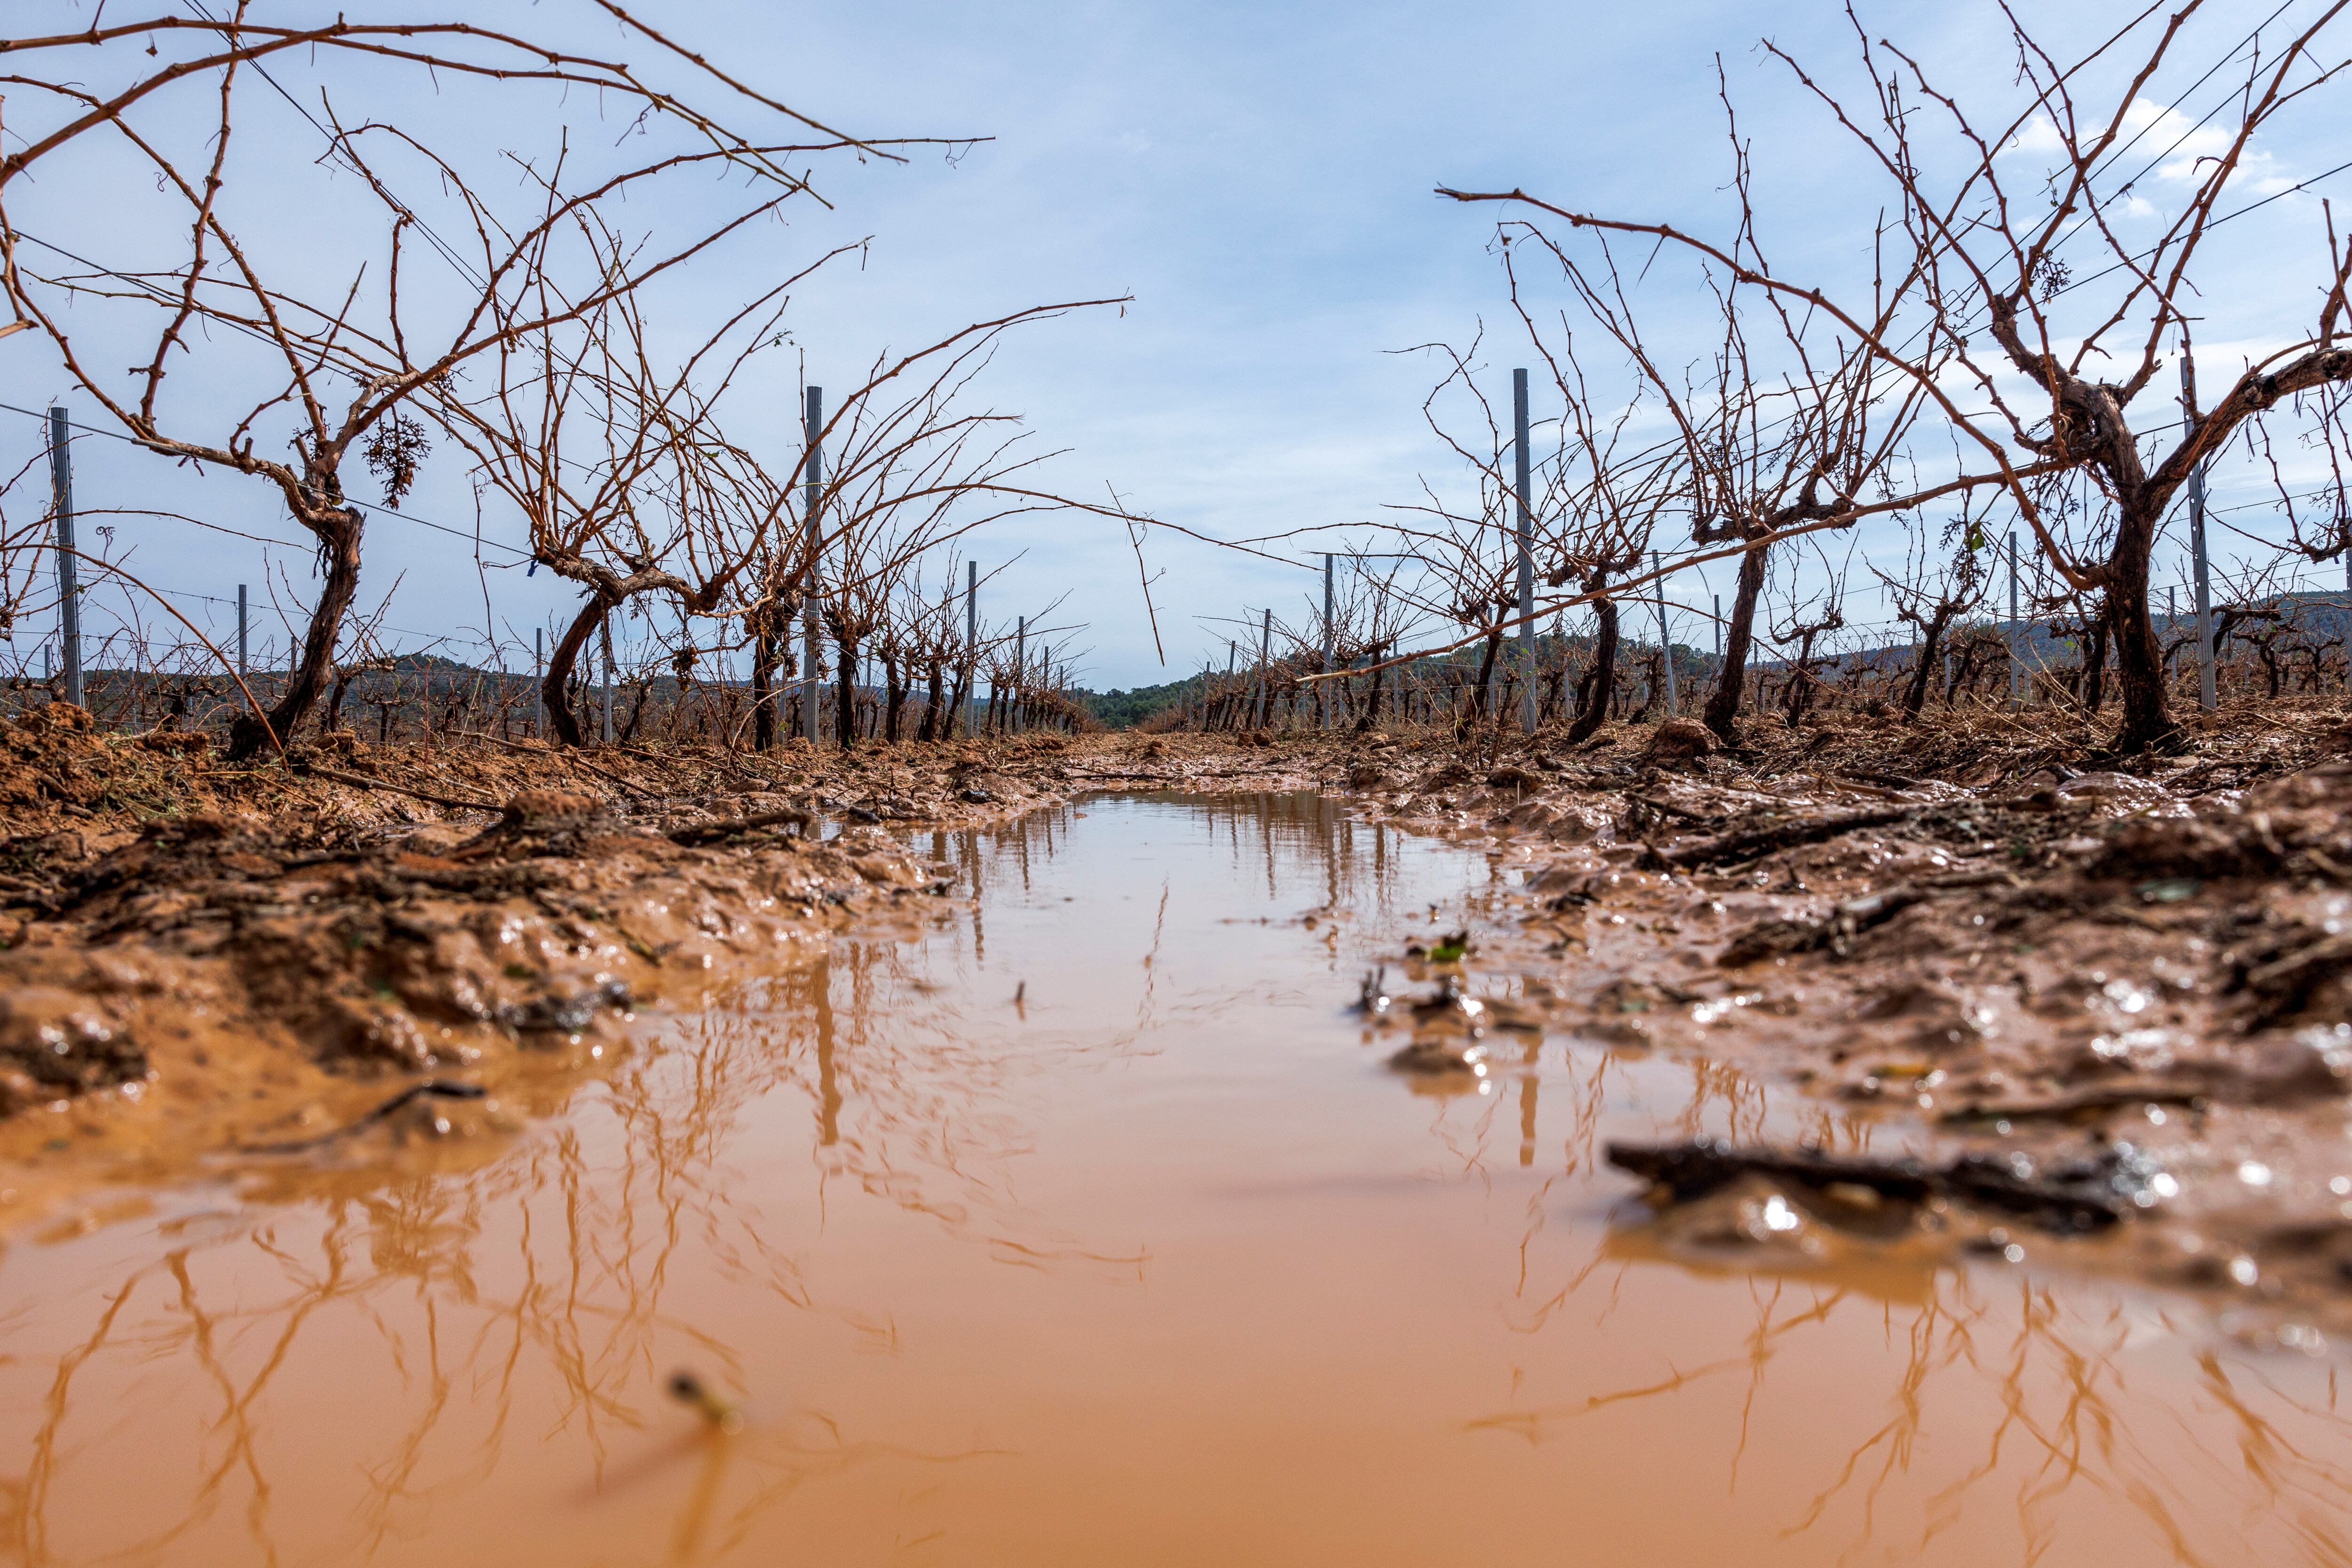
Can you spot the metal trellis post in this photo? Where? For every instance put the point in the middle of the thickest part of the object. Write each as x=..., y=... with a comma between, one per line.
x=2206, y=693
x=1322, y=709
x=1258, y=716
x=813, y=430
x=68, y=593
x=2016, y=658
x=1519, y=466
x=1666, y=642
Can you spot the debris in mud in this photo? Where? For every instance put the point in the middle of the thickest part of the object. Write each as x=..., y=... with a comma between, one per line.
x=1752, y=843
x=554, y=1014
x=723, y=1414
x=1448, y=1024
x=2070, y=1198
x=2083, y=1105
x=432, y=1088
x=2289, y=984
x=1450, y=949
x=1451, y=1003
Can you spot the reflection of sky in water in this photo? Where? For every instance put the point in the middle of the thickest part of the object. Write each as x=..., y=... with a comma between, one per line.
x=1154, y=1264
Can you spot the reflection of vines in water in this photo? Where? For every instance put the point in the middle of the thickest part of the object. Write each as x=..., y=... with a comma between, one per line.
x=2063, y=1395
x=917, y=1089
x=2059, y=1381
x=2286, y=1468
x=546, y=1273
x=588, y=1223
x=916, y=1100
x=1716, y=1092
x=1299, y=834
x=1718, y=1086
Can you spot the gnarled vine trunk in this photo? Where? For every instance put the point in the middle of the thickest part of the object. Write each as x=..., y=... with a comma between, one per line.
x=556, y=687
x=2139, y=657
x=897, y=690
x=2094, y=659
x=339, y=550
x=770, y=649
x=845, y=706
x=1597, y=685
x=1723, y=708
x=932, y=713
x=1478, y=701
x=1931, y=638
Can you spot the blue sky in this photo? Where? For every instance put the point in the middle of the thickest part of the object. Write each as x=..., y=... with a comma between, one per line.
x=1259, y=178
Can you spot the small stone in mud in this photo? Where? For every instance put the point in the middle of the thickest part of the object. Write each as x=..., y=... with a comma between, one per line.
x=1755, y=1217
x=1450, y=1004
x=1771, y=937
x=565, y=1015
x=1679, y=740
x=1432, y=1058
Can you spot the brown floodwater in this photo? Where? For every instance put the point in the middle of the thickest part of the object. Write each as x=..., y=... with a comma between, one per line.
x=1085, y=1225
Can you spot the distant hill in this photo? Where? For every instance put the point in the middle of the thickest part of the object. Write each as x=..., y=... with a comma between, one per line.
x=1126, y=709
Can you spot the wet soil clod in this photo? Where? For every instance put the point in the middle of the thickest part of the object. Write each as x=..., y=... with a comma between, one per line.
x=2072, y=1198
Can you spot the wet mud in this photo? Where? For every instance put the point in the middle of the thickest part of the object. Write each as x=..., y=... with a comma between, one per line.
x=1362, y=1148
x=199, y=962
x=2048, y=972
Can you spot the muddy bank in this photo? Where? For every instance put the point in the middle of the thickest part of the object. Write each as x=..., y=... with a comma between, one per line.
x=202, y=961
x=2123, y=985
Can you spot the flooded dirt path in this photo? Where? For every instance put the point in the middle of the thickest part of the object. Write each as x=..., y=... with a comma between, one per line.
x=1086, y=1226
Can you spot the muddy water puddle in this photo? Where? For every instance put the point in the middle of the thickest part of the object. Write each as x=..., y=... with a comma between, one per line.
x=1085, y=1225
